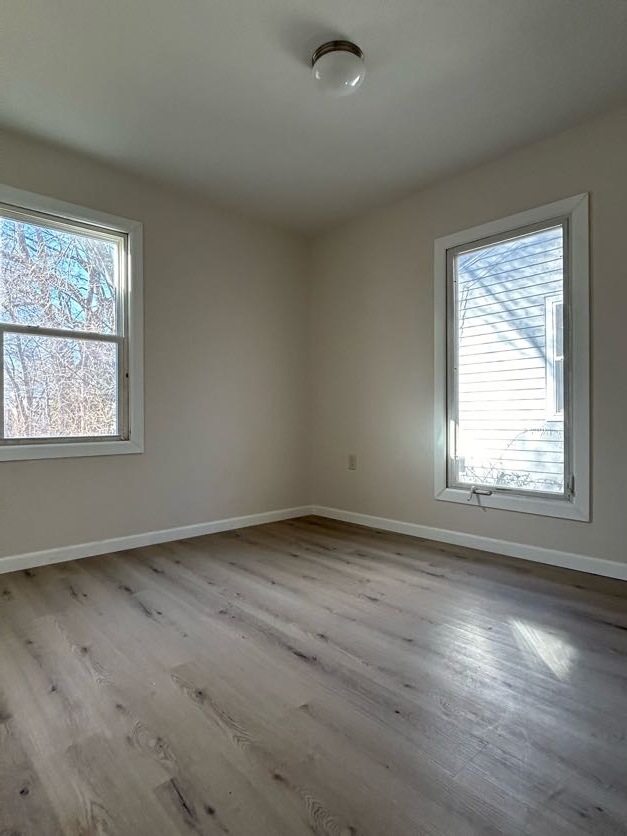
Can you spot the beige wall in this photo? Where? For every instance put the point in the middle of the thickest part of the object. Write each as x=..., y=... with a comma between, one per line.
x=372, y=341
x=225, y=369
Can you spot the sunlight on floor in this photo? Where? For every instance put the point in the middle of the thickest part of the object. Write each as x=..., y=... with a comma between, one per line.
x=536, y=643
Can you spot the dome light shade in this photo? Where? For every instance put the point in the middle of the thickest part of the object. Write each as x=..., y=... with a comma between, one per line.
x=338, y=67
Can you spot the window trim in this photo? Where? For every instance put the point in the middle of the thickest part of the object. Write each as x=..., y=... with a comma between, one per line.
x=60, y=212
x=576, y=504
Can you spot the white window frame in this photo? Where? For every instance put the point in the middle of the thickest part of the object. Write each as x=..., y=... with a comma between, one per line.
x=575, y=504
x=132, y=376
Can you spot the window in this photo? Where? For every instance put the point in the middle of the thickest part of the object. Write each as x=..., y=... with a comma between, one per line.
x=70, y=330
x=512, y=363
x=555, y=358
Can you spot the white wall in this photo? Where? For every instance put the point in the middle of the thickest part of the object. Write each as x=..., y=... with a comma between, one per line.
x=225, y=365
x=372, y=341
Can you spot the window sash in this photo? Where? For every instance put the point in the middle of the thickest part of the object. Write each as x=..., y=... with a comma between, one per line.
x=452, y=362
x=120, y=337
x=122, y=387
x=38, y=218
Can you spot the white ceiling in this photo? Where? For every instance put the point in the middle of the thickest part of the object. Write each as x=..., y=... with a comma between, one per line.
x=217, y=94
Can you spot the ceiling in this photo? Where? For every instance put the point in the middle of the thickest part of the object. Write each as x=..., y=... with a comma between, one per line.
x=217, y=95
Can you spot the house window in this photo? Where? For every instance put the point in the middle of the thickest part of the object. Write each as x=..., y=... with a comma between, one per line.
x=555, y=358
x=70, y=330
x=512, y=363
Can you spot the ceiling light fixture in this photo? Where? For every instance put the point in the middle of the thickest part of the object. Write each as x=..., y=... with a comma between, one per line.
x=338, y=67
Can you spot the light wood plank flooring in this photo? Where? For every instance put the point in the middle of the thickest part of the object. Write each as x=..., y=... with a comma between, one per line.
x=311, y=677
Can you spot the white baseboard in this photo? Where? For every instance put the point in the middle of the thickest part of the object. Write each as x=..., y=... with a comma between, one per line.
x=30, y=560
x=566, y=560
x=552, y=557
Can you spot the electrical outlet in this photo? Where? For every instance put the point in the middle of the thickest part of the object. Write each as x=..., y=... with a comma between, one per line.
x=352, y=461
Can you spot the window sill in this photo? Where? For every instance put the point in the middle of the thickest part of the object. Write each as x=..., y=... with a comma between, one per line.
x=575, y=509
x=67, y=450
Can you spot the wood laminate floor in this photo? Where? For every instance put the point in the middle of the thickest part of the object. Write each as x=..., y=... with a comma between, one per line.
x=311, y=677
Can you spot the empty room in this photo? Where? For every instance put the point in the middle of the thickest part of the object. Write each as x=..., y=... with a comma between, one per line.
x=313, y=414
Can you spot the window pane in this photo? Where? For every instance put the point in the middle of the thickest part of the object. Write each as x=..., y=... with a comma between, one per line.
x=57, y=387
x=504, y=436
x=54, y=278
x=558, y=329
x=558, y=385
